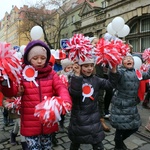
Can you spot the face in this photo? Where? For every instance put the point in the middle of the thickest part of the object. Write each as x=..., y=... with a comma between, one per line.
x=69, y=68
x=38, y=61
x=128, y=62
x=94, y=42
x=87, y=69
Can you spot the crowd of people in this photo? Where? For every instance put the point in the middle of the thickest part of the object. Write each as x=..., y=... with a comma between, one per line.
x=78, y=86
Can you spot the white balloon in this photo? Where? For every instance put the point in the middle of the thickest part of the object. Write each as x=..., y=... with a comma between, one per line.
x=137, y=62
x=107, y=36
x=110, y=30
x=124, y=32
x=36, y=33
x=22, y=48
x=117, y=23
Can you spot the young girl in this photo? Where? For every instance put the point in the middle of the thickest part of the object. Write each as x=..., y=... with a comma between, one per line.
x=46, y=82
x=85, y=126
x=124, y=113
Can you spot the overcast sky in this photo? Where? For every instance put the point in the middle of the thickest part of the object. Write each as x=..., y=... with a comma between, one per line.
x=6, y=5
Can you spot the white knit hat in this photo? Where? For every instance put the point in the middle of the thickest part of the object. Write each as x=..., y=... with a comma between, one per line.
x=37, y=50
x=66, y=62
x=86, y=61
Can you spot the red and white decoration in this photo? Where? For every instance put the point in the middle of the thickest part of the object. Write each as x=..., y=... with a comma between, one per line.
x=79, y=47
x=14, y=105
x=146, y=55
x=87, y=91
x=29, y=73
x=58, y=54
x=9, y=65
x=49, y=111
x=110, y=52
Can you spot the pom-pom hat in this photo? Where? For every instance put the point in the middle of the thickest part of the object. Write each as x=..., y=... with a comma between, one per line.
x=66, y=62
x=86, y=61
x=33, y=44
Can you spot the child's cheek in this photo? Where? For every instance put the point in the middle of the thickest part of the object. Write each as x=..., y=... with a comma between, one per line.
x=83, y=70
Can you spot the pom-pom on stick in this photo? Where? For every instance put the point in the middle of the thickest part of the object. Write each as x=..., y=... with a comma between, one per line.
x=79, y=47
x=110, y=52
x=146, y=55
x=49, y=111
x=107, y=53
x=9, y=65
x=14, y=105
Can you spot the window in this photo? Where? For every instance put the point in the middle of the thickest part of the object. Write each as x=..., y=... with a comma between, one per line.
x=145, y=25
x=145, y=43
x=134, y=29
x=139, y=36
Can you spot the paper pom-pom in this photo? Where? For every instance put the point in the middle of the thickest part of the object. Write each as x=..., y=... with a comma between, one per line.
x=49, y=111
x=122, y=48
x=79, y=47
x=146, y=55
x=110, y=52
x=14, y=105
x=9, y=64
x=107, y=53
x=144, y=67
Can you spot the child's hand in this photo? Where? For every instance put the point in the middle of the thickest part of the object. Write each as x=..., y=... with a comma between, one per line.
x=76, y=69
x=1, y=78
x=114, y=69
x=20, y=90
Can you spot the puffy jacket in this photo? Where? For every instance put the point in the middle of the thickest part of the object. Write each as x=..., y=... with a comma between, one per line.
x=85, y=126
x=49, y=85
x=124, y=112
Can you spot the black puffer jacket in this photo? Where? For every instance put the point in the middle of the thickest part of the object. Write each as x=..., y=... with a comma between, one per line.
x=85, y=126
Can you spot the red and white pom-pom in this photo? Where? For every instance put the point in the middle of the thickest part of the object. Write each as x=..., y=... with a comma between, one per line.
x=49, y=111
x=146, y=55
x=64, y=79
x=14, y=105
x=9, y=64
x=107, y=53
x=79, y=47
x=122, y=48
x=144, y=67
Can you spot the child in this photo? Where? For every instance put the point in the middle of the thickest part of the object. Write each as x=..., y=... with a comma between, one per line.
x=124, y=113
x=67, y=67
x=46, y=82
x=58, y=55
x=85, y=126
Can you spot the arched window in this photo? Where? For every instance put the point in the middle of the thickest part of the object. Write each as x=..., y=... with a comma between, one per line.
x=139, y=36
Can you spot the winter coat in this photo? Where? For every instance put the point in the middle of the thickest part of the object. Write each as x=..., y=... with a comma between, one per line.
x=85, y=126
x=124, y=112
x=49, y=85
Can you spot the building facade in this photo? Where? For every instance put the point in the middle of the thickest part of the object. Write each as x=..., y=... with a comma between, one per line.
x=90, y=17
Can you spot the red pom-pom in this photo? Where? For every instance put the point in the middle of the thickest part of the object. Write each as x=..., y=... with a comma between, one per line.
x=107, y=53
x=79, y=47
x=110, y=52
x=9, y=64
x=49, y=111
x=14, y=105
x=146, y=55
